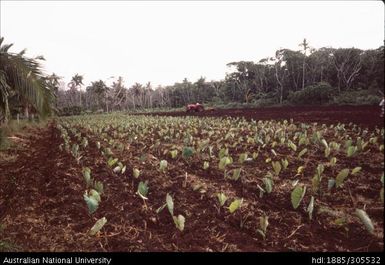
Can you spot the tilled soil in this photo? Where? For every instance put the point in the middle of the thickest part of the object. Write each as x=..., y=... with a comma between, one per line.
x=365, y=116
x=42, y=206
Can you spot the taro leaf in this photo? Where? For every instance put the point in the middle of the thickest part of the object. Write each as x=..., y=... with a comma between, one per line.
x=293, y=146
x=273, y=152
x=285, y=163
x=297, y=195
x=348, y=143
x=310, y=207
x=300, y=170
x=87, y=176
x=255, y=155
x=143, y=157
x=75, y=149
x=356, y=170
x=162, y=165
x=315, y=182
x=111, y=162
x=221, y=198
x=302, y=153
x=263, y=223
x=179, y=222
x=98, y=186
x=242, y=158
x=277, y=167
x=108, y=151
x=170, y=204
x=187, y=152
x=136, y=173
x=174, y=153
x=323, y=141
x=351, y=150
x=91, y=203
x=235, y=205
x=365, y=220
x=320, y=170
x=261, y=233
x=206, y=165
x=340, y=221
x=95, y=195
x=97, y=226
x=143, y=190
x=331, y=183
x=224, y=162
x=236, y=173
x=333, y=161
x=223, y=152
x=117, y=169
x=161, y=208
x=341, y=177
x=268, y=184
x=327, y=152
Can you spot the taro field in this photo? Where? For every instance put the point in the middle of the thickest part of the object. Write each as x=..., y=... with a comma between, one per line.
x=156, y=183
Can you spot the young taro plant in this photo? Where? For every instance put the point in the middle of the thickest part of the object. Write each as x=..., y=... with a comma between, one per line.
x=263, y=224
x=87, y=176
x=276, y=167
x=135, y=173
x=236, y=204
x=269, y=184
x=297, y=195
x=92, y=200
x=179, y=220
x=342, y=175
x=316, y=180
x=163, y=165
x=363, y=216
x=222, y=198
x=98, y=226
x=76, y=153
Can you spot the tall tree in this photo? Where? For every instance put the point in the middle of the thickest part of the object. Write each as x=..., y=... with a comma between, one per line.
x=22, y=79
x=348, y=64
x=305, y=46
x=75, y=85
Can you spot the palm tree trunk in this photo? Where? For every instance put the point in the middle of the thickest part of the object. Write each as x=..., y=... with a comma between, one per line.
x=26, y=111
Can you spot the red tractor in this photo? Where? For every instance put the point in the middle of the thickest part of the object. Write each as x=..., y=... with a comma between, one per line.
x=195, y=107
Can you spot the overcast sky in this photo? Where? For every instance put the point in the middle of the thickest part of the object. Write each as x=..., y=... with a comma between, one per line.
x=164, y=42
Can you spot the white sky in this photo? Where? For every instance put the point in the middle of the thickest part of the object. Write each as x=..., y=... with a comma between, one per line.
x=164, y=42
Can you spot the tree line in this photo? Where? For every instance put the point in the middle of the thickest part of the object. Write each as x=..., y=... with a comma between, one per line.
x=303, y=76
x=306, y=75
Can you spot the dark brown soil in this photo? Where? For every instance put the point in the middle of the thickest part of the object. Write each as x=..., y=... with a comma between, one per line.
x=42, y=206
x=366, y=116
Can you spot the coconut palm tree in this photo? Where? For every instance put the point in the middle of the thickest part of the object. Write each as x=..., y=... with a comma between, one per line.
x=21, y=78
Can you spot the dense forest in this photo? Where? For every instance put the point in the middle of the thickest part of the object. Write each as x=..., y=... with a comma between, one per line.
x=305, y=76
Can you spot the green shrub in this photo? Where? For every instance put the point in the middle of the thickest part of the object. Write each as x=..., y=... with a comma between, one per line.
x=358, y=97
x=68, y=111
x=318, y=94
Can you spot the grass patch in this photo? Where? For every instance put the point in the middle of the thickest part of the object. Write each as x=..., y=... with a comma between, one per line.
x=14, y=127
x=5, y=244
